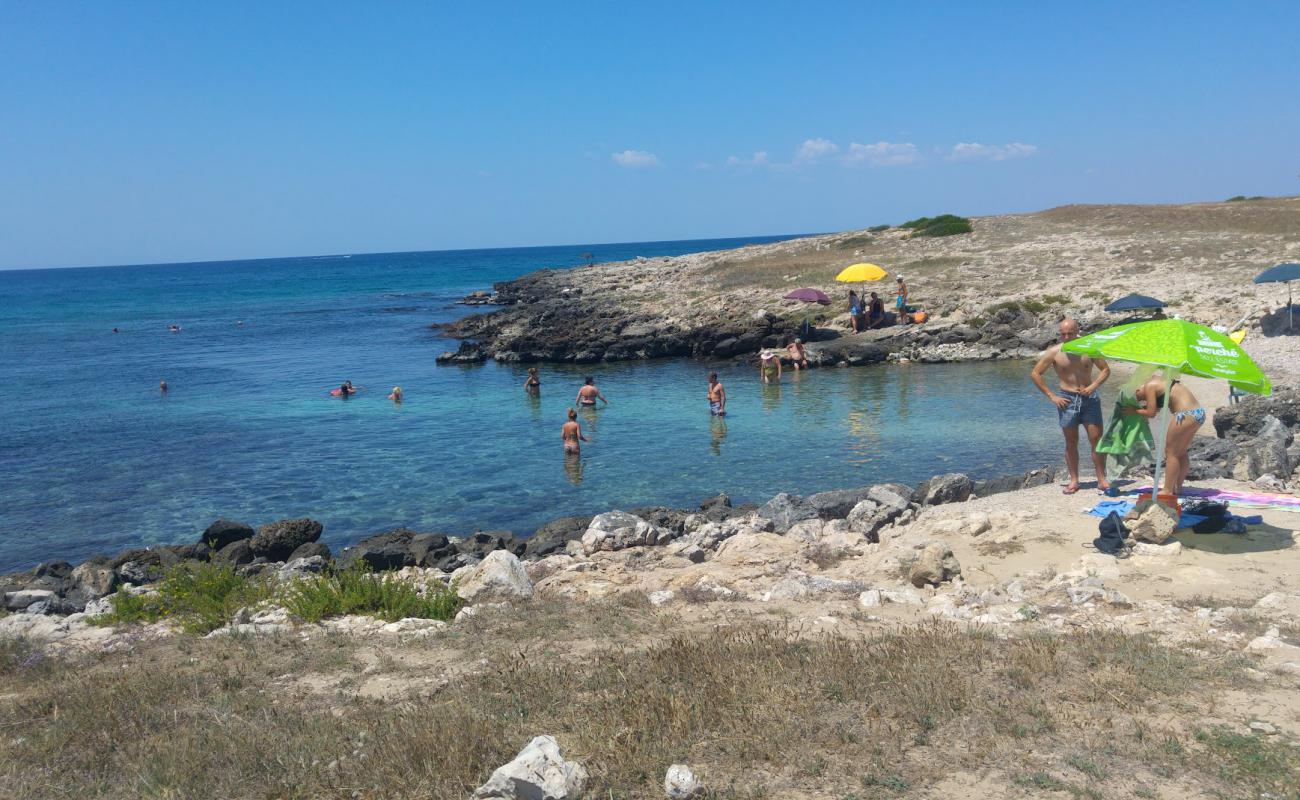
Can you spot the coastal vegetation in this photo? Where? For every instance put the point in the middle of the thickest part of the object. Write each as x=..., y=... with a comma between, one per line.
x=942, y=225
x=203, y=596
x=630, y=690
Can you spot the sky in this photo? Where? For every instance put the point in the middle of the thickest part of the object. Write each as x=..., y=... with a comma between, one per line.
x=135, y=132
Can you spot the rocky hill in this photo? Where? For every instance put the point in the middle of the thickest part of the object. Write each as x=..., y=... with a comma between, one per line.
x=994, y=292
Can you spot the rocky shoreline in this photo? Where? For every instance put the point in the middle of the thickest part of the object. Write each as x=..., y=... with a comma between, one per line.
x=1258, y=440
x=996, y=292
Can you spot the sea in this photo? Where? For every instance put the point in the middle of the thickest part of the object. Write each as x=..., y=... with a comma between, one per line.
x=94, y=458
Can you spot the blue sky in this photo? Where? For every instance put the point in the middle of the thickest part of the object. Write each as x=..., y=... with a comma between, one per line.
x=139, y=132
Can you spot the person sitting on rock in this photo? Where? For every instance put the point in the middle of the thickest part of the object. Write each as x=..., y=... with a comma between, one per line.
x=798, y=357
x=875, y=311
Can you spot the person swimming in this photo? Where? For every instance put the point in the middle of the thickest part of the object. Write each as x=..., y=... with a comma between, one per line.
x=174, y=328
x=346, y=390
x=588, y=394
x=533, y=384
x=162, y=386
x=571, y=434
x=396, y=395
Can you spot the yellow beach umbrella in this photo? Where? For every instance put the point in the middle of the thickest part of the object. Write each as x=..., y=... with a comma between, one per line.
x=860, y=273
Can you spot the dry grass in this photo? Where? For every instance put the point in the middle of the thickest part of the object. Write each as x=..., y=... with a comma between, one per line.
x=756, y=708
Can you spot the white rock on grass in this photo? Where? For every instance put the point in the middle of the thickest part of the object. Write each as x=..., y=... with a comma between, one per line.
x=539, y=772
x=903, y=595
x=414, y=625
x=680, y=783
x=499, y=576
x=870, y=599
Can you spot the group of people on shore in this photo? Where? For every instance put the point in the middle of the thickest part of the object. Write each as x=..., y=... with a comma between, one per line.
x=868, y=312
x=1078, y=405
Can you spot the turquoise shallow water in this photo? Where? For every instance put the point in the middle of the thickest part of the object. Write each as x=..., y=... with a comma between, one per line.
x=94, y=459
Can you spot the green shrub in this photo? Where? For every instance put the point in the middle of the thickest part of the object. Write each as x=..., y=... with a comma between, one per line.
x=1237, y=198
x=942, y=225
x=878, y=228
x=1056, y=299
x=1034, y=306
x=355, y=590
x=200, y=596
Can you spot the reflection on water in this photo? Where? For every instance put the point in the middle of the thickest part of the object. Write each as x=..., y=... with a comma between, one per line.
x=771, y=397
x=573, y=468
x=717, y=434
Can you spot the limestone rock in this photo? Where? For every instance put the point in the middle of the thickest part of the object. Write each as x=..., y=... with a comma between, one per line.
x=499, y=576
x=539, y=772
x=276, y=541
x=785, y=510
x=1266, y=453
x=836, y=504
x=1155, y=522
x=94, y=580
x=25, y=599
x=1171, y=548
x=935, y=565
x=617, y=530
x=554, y=535
x=951, y=488
x=869, y=516
x=680, y=783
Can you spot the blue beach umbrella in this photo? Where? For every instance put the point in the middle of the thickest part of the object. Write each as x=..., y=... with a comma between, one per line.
x=1282, y=273
x=1133, y=302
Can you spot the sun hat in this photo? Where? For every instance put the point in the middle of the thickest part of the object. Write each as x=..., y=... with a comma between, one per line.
x=767, y=355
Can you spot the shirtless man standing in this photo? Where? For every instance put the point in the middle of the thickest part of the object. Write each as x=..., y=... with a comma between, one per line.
x=1076, y=403
x=588, y=394
x=717, y=397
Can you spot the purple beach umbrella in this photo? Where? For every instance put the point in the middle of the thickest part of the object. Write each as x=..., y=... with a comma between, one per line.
x=809, y=296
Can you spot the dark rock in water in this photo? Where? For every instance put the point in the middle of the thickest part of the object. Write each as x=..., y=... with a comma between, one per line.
x=838, y=503
x=1244, y=421
x=998, y=485
x=480, y=543
x=671, y=519
x=310, y=549
x=383, y=551
x=785, y=510
x=223, y=532
x=275, y=541
x=190, y=552
x=951, y=488
x=717, y=501
x=432, y=550
x=554, y=535
x=237, y=553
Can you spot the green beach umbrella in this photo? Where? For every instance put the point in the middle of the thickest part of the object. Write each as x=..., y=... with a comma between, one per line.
x=1181, y=348
x=1177, y=345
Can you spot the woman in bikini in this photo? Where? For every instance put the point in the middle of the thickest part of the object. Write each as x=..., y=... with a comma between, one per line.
x=1188, y=417
x=571, y=434
x=533, y=384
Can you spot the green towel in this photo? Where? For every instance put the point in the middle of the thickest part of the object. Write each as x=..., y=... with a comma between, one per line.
x=1127, y=439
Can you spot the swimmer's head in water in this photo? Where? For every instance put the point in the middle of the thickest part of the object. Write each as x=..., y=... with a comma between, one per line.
x=572, y=415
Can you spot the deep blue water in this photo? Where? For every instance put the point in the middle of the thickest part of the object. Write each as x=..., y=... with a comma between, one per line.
x=93, y=458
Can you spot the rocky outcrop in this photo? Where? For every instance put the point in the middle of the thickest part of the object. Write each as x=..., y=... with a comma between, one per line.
x=555, y=535
x=539, y=772
x=951, y=488
x=617, y=530
x=276, y=541
x=224, y=532
x=500, y=576
x=785, y=509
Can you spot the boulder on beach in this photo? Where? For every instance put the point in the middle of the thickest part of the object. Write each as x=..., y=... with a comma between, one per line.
x=785, y=509
x=224, y=532
x=951, y=488
x=935, y=565
x=276, y=541
x=554, y=535
x=499, y=576
x=617, y=530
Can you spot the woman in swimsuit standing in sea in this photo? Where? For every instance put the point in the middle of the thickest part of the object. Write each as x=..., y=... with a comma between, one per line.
x=571, y=434
x=1188, y=417
x=533, y=384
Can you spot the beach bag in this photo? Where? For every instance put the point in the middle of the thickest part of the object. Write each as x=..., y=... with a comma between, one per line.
x=1112, y=535
x=920, y=316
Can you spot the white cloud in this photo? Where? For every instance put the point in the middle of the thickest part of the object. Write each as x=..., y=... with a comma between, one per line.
x=974, y=151
x=759, y=159
x=635, y=158
x=882, y=154
x=815, y=150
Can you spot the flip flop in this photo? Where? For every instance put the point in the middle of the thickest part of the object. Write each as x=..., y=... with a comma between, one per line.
x=1068, y=490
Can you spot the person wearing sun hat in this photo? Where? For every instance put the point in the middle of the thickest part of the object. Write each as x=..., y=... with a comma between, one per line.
x=769, y=367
